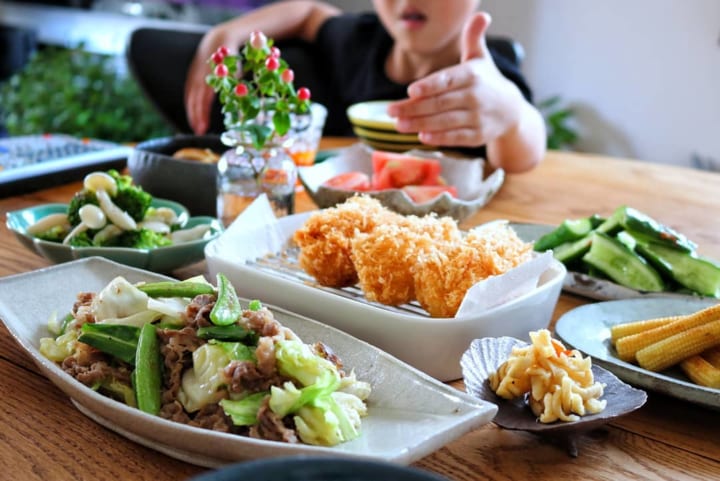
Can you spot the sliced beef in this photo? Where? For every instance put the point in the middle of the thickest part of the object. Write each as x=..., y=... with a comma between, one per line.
x=212, y=417
x=245, y=377
x=262, y=322
x=176, y=348
x=90, y=366
x=198, y=311
x=272, y=427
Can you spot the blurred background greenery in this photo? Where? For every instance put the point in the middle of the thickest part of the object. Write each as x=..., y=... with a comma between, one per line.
x=72, y=91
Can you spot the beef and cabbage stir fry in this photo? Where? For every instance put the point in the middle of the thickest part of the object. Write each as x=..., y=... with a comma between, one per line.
x=191, y=353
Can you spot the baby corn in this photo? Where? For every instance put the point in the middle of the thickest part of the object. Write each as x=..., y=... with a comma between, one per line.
x=629, y=328
x=628, y=347
x=701, y=372
x=712, y=356
x=676, y=348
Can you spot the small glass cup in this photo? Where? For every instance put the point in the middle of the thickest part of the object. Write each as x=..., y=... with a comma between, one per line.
x=306, y=142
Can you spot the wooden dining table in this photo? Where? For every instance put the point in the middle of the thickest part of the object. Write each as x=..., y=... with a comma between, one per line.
x=44, y=437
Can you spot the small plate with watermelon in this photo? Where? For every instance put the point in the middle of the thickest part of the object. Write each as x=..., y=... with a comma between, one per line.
x=416, y=182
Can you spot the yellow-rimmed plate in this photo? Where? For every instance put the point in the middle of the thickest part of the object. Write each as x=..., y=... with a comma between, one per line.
x=395, y=146
x=372, y=114
x=383, y=135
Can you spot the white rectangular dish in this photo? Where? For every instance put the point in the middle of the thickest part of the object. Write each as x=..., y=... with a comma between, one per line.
x=410, y=414
x=256, y=255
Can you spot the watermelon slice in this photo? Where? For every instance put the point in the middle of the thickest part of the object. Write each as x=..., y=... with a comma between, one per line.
x=394, y=171
x=349, y=181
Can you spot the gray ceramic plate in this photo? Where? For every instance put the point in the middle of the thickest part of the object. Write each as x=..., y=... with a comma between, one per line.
x=484, y=357
x=589, y=286
x=474, y=189
x=587, y=328
x=410, y=414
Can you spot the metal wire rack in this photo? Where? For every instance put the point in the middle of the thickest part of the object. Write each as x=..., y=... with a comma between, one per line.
x=285, y=266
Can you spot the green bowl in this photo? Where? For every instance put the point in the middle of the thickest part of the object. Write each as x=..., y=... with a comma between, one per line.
x=160, y=259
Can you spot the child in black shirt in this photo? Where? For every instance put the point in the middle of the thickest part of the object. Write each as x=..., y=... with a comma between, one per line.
x=429, y=55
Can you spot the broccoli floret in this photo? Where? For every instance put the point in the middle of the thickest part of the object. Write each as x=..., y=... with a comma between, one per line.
x=80, y=199
x=130, y=198
x=82, y=239
x=141, y=239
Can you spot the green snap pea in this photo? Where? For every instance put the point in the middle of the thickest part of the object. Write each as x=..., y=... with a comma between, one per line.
x=227, y=308
x=232, y=332
x=117, y=340
x=176, y=289
x=147, y=376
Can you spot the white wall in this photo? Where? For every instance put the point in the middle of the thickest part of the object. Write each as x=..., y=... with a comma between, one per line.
x=643, y=75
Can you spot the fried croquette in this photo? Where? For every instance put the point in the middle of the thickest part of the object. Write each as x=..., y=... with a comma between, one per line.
x=444, y=274
x=397, y=259
x=440, y=229
x=325, y=238
x=507, y=250
x=384, y=260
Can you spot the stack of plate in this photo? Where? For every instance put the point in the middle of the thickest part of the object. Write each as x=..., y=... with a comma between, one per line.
x=376, y=128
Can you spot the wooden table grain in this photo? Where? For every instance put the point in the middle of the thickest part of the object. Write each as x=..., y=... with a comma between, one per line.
x=43, y=436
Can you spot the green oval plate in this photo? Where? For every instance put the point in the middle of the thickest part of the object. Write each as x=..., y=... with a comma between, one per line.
x=160, y=259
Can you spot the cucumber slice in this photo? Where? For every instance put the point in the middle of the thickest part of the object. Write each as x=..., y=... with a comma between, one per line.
x=690, y=270
x=627, y=239
x=569, y=230
x=645, y=228
x=572, y=251
x=611, y=225
x=622, y=265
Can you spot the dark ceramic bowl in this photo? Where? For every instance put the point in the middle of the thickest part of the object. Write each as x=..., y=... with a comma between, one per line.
x=313, y=468
x=189, y=182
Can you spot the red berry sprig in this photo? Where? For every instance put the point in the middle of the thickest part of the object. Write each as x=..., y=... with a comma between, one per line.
x=254, y=86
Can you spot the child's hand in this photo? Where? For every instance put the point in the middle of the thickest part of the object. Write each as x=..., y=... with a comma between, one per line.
x=198, y=94
x=469, y=104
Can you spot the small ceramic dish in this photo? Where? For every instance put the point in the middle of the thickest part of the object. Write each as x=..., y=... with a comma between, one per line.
x=487, y=354
x=467, y=175
x=161, y=259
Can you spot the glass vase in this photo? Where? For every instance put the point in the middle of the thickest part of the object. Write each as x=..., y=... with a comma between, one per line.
x=245, y=172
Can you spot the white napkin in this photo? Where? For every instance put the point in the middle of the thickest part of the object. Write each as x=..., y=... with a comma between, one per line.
x=497, y=290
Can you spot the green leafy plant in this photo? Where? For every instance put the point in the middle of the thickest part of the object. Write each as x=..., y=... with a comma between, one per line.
x=79, y=93
x=560, y=135
x=256, y=90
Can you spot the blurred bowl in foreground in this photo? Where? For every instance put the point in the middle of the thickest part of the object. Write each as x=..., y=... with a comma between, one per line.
x=314, y=468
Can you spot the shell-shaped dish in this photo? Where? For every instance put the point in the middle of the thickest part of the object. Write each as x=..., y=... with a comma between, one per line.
x=485, y=355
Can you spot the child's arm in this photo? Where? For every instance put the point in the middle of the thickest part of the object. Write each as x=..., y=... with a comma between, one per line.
x=279, y=20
